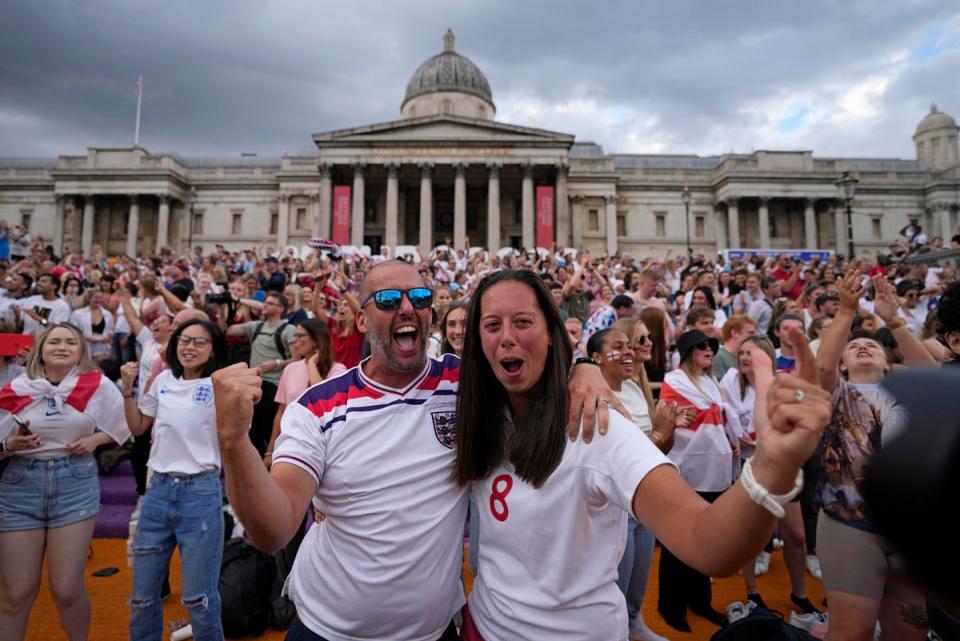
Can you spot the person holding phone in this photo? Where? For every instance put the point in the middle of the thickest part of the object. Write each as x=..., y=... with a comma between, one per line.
x=56, y=414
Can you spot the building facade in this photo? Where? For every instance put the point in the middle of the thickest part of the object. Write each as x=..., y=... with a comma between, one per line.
x=447, y=172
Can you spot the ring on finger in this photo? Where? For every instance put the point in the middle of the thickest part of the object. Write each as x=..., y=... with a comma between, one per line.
x=798, y=396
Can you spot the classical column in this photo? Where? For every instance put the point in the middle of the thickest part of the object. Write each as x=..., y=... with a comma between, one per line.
x=720, y=224
x=133, y=226
x=611, y=223
x=356, y=221
x=763, y=216
x=59, y=220
x=733, y=222
x=86, y=235
x=283, y=221
x=563, y=205
x=840, y=225
x=325, y=200
x=393, y=195
x=943, y=222
x=526, y=217
x=426, y=208
x=493, y=208
x=163, y=221
x=460, y=206
x=810, y=224
x=577, y=221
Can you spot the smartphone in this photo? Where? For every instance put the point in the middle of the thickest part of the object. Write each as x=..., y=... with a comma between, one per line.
x=22, y=425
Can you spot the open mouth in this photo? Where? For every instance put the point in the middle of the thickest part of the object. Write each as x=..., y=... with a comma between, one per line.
x=406, y=337
x=511, y=366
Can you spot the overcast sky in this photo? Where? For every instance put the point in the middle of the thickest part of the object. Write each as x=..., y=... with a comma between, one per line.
x=222, y=77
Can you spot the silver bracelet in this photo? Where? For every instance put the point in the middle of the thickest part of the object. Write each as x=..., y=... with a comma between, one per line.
x=772, y=503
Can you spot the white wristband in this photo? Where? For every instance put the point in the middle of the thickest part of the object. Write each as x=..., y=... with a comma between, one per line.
x=772, y=503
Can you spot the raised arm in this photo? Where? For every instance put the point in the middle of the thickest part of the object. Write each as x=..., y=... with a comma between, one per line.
x=133, y=319
x=719, y=538
x=271, y=504
x=137, y=422
x=174, y=303
x=887, y=306
x=834, y=339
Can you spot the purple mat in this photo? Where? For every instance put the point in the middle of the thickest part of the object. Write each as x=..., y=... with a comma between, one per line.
x=118, y=497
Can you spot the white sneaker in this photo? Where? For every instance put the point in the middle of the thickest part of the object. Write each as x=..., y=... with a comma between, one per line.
x=735, y=611
x=777, y=543
x=640, y=632
x=813, y=567
x=762, y=565
x=807, y=621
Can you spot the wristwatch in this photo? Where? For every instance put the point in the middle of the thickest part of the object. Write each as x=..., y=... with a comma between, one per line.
x=586, y=359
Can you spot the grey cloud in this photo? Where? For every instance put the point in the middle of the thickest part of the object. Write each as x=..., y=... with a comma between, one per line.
x=224, y=77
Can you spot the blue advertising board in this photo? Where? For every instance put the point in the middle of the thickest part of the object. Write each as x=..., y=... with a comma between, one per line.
x=805, y=255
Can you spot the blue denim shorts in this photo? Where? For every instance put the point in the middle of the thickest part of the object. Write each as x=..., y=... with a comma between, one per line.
x=48, y=493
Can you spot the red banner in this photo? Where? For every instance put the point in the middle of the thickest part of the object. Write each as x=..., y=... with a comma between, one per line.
x=341, y=214
x=545, y=217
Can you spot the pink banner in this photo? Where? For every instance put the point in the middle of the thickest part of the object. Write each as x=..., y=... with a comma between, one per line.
x=341, y=214
x=545, y=217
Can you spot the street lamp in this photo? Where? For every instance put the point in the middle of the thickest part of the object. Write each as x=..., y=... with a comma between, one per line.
x=193, y=200
x=686, y=197
x=846, y=188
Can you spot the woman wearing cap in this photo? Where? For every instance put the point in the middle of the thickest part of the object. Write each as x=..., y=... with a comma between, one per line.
x=557, y=581
x=704, y=455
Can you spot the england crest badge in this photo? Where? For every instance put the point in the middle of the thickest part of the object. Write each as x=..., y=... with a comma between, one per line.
x=445, y=427
x=203, y=394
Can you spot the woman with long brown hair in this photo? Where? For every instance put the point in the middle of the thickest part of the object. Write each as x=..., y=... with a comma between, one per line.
x=512, y=443
x=659, y=364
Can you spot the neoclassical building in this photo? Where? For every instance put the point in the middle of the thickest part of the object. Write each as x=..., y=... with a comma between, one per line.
x=447, y=171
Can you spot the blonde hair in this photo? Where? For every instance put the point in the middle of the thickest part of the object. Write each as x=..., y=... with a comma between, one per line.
x=34, y=363
x=628, y=326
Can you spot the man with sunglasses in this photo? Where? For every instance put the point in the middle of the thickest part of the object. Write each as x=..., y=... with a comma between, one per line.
x=913, y=312
x=375, y=447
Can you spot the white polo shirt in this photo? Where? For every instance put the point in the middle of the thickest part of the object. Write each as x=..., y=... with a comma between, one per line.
x=184, y=426
x=550, y=555
x=386, y=562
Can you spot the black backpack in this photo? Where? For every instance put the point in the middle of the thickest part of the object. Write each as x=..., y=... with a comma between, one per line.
x=761, y=625
x=246, y=578
x=277, y=338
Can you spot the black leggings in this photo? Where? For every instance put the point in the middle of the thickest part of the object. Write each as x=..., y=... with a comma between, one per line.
x=680, y=584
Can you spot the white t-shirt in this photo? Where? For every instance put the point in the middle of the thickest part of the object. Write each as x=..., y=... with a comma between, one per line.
x=184, y=426
x=386, y=562
x=55, y=311
x=633, y=399
x=550, y=555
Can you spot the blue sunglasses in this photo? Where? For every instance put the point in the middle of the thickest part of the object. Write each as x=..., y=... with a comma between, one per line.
x=388, y=300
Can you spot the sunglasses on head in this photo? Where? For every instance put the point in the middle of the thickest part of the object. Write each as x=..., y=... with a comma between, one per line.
x=388, y=300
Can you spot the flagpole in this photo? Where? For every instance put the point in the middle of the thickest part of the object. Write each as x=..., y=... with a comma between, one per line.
x=136, y=131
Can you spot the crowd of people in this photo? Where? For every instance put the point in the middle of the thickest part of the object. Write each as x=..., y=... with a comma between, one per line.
x=578, y=408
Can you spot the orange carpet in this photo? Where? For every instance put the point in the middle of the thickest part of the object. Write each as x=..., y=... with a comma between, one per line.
x=110, y=611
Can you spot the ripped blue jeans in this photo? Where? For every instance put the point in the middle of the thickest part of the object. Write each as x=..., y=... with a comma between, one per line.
x=184, y=511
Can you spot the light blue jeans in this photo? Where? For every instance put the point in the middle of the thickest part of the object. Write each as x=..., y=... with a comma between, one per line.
x=184, y=511
x=634, y=568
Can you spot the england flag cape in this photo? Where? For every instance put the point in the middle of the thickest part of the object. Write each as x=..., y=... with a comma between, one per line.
x=90, y=392
x=702, y=451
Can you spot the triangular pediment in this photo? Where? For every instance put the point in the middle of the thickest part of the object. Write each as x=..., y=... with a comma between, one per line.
x=442, y=129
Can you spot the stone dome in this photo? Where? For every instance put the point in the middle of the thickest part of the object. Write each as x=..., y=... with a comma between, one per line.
x=448, y=71
x=935, y=120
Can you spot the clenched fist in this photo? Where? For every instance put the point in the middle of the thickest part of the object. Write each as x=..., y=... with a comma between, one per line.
x=236, y=389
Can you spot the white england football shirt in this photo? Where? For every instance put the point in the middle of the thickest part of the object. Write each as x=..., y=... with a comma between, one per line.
x=550, y=555
x=386, y=562
x=184, y=426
